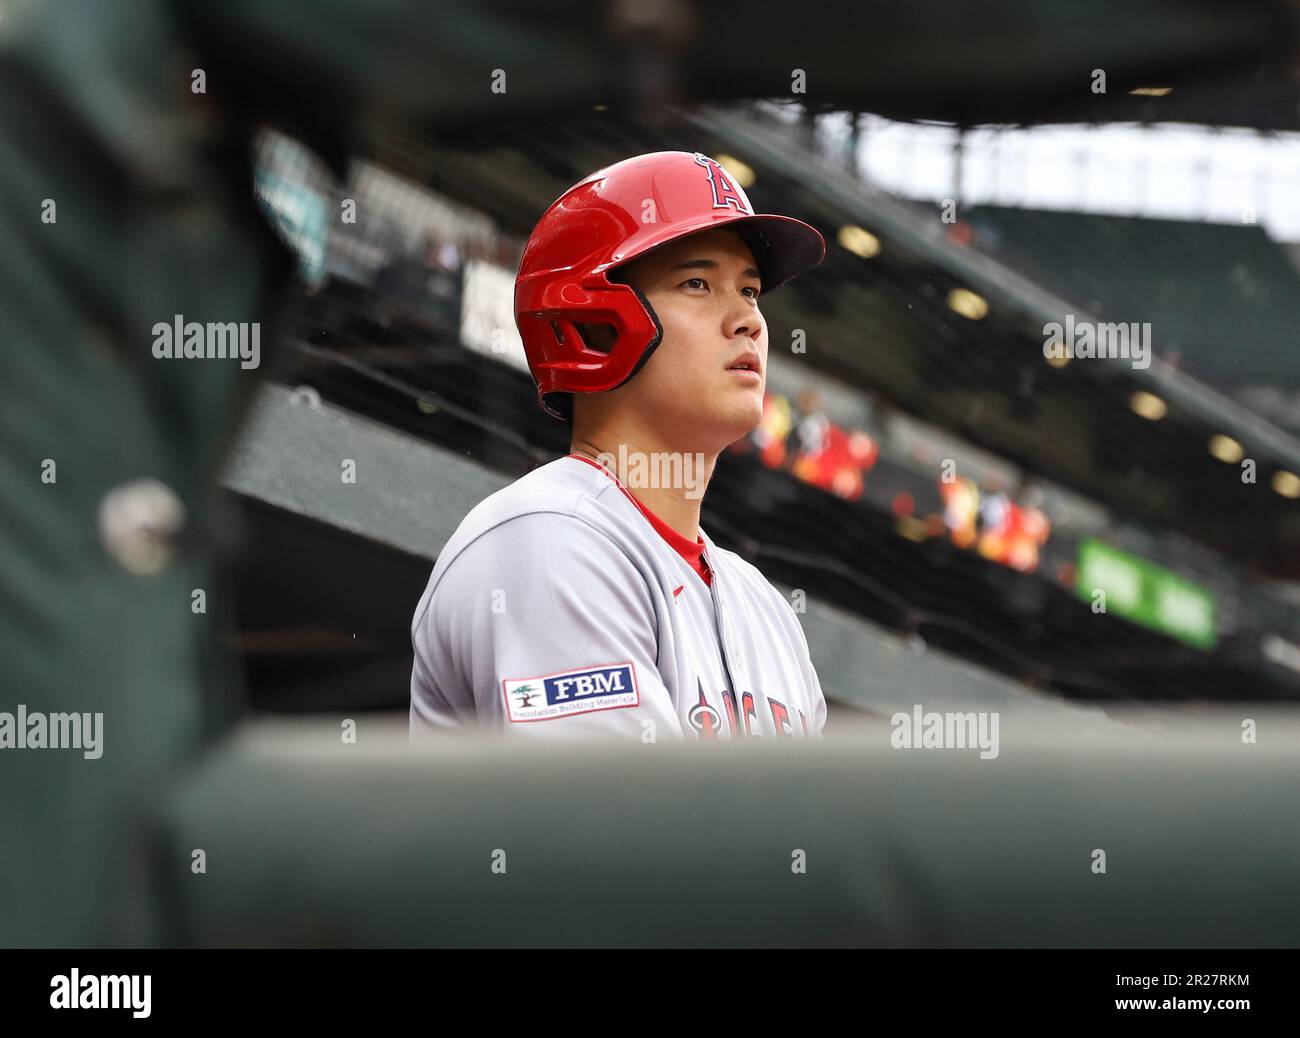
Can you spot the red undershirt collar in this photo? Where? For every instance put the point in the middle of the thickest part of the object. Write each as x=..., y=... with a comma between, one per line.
x=693, y=553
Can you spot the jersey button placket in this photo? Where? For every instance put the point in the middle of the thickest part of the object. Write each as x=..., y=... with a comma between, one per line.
x=724, y=633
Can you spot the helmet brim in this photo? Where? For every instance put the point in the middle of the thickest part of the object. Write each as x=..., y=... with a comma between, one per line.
x=783, y=247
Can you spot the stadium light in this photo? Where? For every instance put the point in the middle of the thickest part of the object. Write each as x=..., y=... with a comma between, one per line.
x=1226, y=449
x=742, y=171
x=1286, y=483
x=858, y=241
x=970, y=305
x=1147, y=405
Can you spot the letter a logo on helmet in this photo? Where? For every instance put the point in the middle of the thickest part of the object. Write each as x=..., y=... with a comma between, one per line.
x=598, y=225
x=726, y=192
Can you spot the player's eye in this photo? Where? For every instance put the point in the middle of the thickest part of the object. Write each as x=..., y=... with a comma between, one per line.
x=750, y=291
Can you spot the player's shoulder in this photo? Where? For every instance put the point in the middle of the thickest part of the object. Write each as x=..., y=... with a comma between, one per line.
x=552, y=500
x=555, y=486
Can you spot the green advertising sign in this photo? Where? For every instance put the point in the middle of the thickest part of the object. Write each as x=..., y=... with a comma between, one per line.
x=1146, y=593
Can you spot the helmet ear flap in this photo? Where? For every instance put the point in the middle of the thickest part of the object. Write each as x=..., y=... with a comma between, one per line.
x=584, y=336
x=598, y=336
x=570, y=332
x=655, y=338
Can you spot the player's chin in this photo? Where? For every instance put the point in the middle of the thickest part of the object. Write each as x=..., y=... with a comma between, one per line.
x=739, y=412
x=748, y=395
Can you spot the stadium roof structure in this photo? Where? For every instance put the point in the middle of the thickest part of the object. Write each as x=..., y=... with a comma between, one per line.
x=1225, y=299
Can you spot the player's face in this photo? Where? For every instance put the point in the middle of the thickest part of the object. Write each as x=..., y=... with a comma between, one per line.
x=705, y=290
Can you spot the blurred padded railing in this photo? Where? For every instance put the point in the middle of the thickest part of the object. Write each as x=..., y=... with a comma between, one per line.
x=1070, y=837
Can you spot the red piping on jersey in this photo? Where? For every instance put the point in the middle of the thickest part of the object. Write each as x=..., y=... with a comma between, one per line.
x=692, y=553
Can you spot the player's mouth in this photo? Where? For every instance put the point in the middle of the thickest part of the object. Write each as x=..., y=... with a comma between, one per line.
x=748, y=367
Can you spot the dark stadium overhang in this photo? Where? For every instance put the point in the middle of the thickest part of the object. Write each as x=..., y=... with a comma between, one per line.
x=1004, y=61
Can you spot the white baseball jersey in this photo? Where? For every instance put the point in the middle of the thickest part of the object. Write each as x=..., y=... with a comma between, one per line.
x=557, y=609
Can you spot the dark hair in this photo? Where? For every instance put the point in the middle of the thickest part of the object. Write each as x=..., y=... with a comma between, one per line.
x=563, y=403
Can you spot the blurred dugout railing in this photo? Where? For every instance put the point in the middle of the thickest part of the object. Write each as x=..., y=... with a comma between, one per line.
x=1072, y=837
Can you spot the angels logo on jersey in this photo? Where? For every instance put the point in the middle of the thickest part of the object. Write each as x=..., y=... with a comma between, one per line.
x=707, y=722
x=704, y=718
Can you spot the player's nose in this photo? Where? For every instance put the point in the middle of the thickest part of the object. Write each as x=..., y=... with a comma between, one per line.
x=742, y=319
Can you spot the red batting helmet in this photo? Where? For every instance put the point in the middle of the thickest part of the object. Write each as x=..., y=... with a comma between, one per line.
x=612, y=217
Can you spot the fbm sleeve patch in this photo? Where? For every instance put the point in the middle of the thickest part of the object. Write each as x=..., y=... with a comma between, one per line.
x=570, y=692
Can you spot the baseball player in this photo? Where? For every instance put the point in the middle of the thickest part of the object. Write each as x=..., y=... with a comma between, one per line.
x=584, y=600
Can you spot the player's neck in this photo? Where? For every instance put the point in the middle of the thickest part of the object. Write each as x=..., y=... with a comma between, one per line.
x=669, y=484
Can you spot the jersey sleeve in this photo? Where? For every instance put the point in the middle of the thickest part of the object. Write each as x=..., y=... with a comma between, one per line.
x=819, y=700
x=541, y=627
